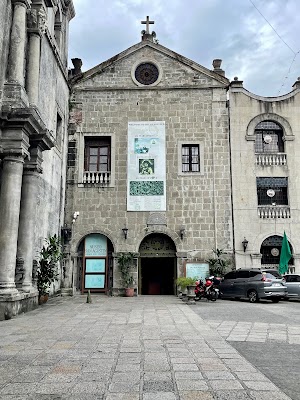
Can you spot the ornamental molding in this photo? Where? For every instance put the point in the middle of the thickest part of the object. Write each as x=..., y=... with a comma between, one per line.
x=157, y=218
x=37, y=20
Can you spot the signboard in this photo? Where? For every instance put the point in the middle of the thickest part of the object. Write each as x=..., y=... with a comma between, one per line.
x=94, y=281
x=94, y=265
x=198, y=270
x=146, y=166
x=95, y=246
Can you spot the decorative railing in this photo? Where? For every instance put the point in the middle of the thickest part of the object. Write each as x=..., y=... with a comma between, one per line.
x=96, y=177
x=274, y=212
x=266, y=160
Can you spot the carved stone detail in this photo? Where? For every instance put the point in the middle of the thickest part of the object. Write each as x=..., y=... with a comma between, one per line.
x=37, y=20
x=157, y=218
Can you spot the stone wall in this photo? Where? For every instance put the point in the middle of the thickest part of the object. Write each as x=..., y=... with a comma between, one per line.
x=193, y=110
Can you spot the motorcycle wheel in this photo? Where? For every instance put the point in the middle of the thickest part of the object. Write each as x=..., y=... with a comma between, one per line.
x=213, y=295
x=197, y=298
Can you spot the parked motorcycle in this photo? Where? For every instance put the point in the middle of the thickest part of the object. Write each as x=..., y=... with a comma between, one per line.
x=207, y=290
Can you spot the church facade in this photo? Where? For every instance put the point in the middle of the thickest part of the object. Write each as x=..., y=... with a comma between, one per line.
x=163, y=159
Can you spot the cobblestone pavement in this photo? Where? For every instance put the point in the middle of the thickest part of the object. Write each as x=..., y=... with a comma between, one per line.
x=141, y=348
x=266, y=334
x=257, y=331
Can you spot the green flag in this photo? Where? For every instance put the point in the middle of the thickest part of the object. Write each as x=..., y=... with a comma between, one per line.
x=285, y=255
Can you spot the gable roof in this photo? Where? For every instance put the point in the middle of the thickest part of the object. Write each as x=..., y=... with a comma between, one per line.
x=157, y=47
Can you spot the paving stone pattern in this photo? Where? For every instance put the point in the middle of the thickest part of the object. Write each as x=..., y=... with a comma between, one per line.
x=141, y=348
x=257, y=331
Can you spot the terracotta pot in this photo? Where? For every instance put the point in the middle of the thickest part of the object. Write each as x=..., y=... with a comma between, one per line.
x=43, y=298
x=129, y=292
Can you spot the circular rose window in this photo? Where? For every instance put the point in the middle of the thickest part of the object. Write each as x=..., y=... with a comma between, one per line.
x=146, y=73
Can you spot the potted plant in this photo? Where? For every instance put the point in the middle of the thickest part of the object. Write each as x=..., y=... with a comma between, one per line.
x=125, y=263
x=218, y=264
x=187, y=284
x=46, y=272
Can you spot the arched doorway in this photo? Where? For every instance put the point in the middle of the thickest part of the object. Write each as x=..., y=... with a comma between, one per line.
x=270, y=251
x=157, y=266
x=95, y=264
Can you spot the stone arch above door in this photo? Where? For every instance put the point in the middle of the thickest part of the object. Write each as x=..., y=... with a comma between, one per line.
x=157, y=245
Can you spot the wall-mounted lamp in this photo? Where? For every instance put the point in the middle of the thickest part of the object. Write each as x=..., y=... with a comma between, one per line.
x=181, y=232
x=245, y=244
x=125, y=231
x=75, y=216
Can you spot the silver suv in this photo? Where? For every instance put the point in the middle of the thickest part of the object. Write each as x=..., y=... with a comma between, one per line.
x=254, y=284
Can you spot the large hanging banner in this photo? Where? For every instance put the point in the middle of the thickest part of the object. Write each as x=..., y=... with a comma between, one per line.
x=146, y=167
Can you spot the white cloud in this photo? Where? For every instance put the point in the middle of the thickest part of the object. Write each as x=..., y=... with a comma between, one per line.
x=200, y=30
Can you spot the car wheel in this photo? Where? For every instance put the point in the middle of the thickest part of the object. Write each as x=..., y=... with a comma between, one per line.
x=275, y=300
x=253, y=297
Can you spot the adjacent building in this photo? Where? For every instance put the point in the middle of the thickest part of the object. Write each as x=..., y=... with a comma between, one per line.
x=264, y=152
x=34, y=116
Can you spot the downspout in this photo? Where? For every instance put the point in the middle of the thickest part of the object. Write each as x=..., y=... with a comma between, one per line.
x=230, y=170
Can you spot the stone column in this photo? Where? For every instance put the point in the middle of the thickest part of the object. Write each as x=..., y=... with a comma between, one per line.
x=36, y=28
x=32, y=169
x=10, y=197
x=27, y=224
x=18, y=41
x=33, y=72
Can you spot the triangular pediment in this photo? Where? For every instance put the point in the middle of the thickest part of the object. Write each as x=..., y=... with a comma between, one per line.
x=147, y=50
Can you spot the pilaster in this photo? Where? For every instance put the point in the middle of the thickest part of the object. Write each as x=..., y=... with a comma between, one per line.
x=296, y=258
x=256, y=260
x=36, y=22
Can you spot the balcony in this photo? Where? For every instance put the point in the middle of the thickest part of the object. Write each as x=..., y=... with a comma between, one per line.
x=273, y=212
x=101, y=178
x=268, y=160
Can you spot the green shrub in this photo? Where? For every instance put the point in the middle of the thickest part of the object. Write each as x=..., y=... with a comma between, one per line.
x=50, y=254
x=183, y=282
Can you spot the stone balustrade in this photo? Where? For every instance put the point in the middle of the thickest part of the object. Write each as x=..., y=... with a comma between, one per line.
x=265, y=159
x=274, y=212
x=96, y=177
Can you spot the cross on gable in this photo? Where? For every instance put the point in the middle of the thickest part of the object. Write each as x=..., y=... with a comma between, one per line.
x=147, y=22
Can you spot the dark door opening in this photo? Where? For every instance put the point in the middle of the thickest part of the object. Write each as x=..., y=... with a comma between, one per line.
x=157, y=276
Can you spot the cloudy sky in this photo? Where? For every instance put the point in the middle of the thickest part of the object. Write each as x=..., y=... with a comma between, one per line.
x=258, y=40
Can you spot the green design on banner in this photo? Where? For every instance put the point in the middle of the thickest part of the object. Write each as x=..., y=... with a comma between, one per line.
x=155, y=188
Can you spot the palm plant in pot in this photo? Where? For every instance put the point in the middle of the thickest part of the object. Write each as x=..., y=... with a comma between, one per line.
x=125, y=263
x=47, y=273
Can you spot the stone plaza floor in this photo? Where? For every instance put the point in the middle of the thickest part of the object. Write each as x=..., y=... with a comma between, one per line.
x=116, y=348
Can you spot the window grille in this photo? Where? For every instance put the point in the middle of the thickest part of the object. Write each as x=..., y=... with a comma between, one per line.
x=268, y=138
x=270, y=250
x=190, y=158
x=279, y=187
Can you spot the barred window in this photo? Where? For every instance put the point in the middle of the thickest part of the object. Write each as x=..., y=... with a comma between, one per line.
x=272, y=191
x=268, y=138
x=97, y=154
x=190, y=158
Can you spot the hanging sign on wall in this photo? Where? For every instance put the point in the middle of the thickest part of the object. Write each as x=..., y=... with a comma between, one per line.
x=146, y=166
